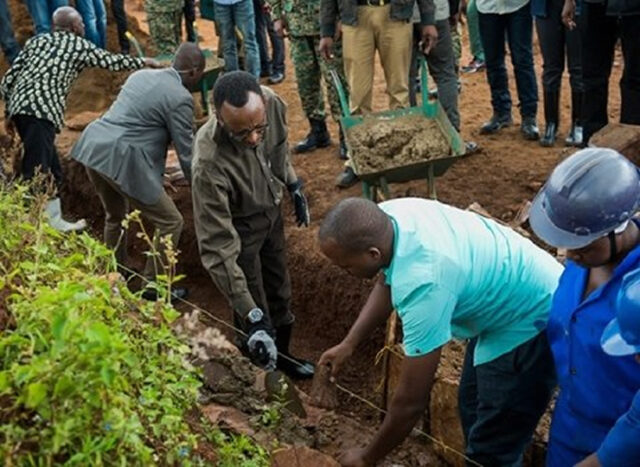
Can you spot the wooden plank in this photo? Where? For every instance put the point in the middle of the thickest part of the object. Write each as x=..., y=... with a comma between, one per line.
x=623, y=138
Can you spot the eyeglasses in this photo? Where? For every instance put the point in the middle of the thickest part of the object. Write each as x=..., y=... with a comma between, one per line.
x=242, y=135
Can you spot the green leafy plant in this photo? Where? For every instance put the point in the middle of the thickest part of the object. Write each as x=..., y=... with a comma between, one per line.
x=239, y=451
x=90, y=374
x=271, y=415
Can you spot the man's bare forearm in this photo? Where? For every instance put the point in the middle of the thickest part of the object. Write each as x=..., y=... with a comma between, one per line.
x=408, y=404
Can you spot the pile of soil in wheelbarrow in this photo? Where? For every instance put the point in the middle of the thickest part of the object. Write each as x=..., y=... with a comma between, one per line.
x=211, y=62
x=378, y=144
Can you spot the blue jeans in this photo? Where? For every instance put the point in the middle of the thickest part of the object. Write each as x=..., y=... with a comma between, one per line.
x=94, y=16
x=518, y=27
x=41, y=12
x=8, y=41
x=238, y=15
x=264, y=25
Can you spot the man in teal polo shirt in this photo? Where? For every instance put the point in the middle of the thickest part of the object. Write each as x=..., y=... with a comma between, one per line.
x=450, y=273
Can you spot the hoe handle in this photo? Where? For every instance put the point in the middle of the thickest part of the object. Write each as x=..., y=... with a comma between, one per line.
x=337, y=82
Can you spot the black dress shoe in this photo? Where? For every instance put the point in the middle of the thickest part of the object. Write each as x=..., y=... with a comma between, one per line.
x=497, y=122
x=574, y=138
x=346, y=178
x=529, y=129
x=177, y=293
x=549, y=137
x=318, y=137
x=294, y=368
x=276, y=78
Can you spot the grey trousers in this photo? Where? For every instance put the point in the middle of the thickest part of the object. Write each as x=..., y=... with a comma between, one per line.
x=442, y=66
x=164, y=216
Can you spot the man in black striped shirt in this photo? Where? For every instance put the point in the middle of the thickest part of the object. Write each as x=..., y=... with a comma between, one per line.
x=35, y=91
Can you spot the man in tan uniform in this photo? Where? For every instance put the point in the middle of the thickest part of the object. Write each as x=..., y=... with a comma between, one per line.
x=241, y=165
x=370, y=25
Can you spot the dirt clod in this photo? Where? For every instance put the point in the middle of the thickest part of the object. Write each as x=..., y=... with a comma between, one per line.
x=323, y=391
x=378, y=144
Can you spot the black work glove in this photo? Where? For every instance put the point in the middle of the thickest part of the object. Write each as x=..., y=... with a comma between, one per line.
x=300, y=206
x=261, y=345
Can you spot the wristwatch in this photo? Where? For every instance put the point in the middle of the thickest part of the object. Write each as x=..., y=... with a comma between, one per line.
x=255, y=316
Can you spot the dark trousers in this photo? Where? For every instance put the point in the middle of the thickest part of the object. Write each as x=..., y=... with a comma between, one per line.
x=442, y=66
x=263, y=260
x=556, y=43
x=189, y=11
x=117, y=8
x=518, y=27
x=600, y=34
x=38, y=137
x=502, y=401
x=163, y=215
x=264, y=26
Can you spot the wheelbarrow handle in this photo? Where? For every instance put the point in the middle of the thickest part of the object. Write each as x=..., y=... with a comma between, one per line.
x=135, y=43
x=424, y=86
x=337, y=82
x=430, y=108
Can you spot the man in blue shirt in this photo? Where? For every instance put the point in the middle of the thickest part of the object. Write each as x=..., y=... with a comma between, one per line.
x=621, y=337
x=450, y=273
x=232, y=14
x=586, y=206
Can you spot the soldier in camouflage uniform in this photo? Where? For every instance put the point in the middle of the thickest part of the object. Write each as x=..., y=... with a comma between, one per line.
x=302, y=20
x=165, y=24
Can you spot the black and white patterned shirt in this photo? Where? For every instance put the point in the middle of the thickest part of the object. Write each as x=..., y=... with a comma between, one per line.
x=40, y=78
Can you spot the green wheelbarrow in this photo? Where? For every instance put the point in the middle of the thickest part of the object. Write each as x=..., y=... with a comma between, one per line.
x=375, y=182
x=213, y=67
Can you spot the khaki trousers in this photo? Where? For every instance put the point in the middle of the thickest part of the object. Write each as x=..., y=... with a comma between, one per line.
x=375, y=30
x=164, y=216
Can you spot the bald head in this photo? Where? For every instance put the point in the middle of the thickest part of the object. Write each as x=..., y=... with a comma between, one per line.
x=67, y=18
x=189, y=62
x=357, y=236
x=189, y=56
x=356, y=224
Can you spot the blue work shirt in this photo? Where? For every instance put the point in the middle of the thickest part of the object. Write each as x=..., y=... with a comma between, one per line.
x=455, y=273
x=622, y=445
x=596, y=389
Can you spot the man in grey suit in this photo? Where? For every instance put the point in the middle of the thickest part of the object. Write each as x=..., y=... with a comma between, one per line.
x=125, y=151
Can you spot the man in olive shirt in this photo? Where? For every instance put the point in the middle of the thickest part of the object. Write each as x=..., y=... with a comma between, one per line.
x=241, y=165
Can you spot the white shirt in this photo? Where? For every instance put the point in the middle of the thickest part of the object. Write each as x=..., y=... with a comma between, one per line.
x=499, y=7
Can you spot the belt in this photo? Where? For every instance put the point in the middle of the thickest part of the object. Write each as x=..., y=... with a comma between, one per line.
x=373, y=2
